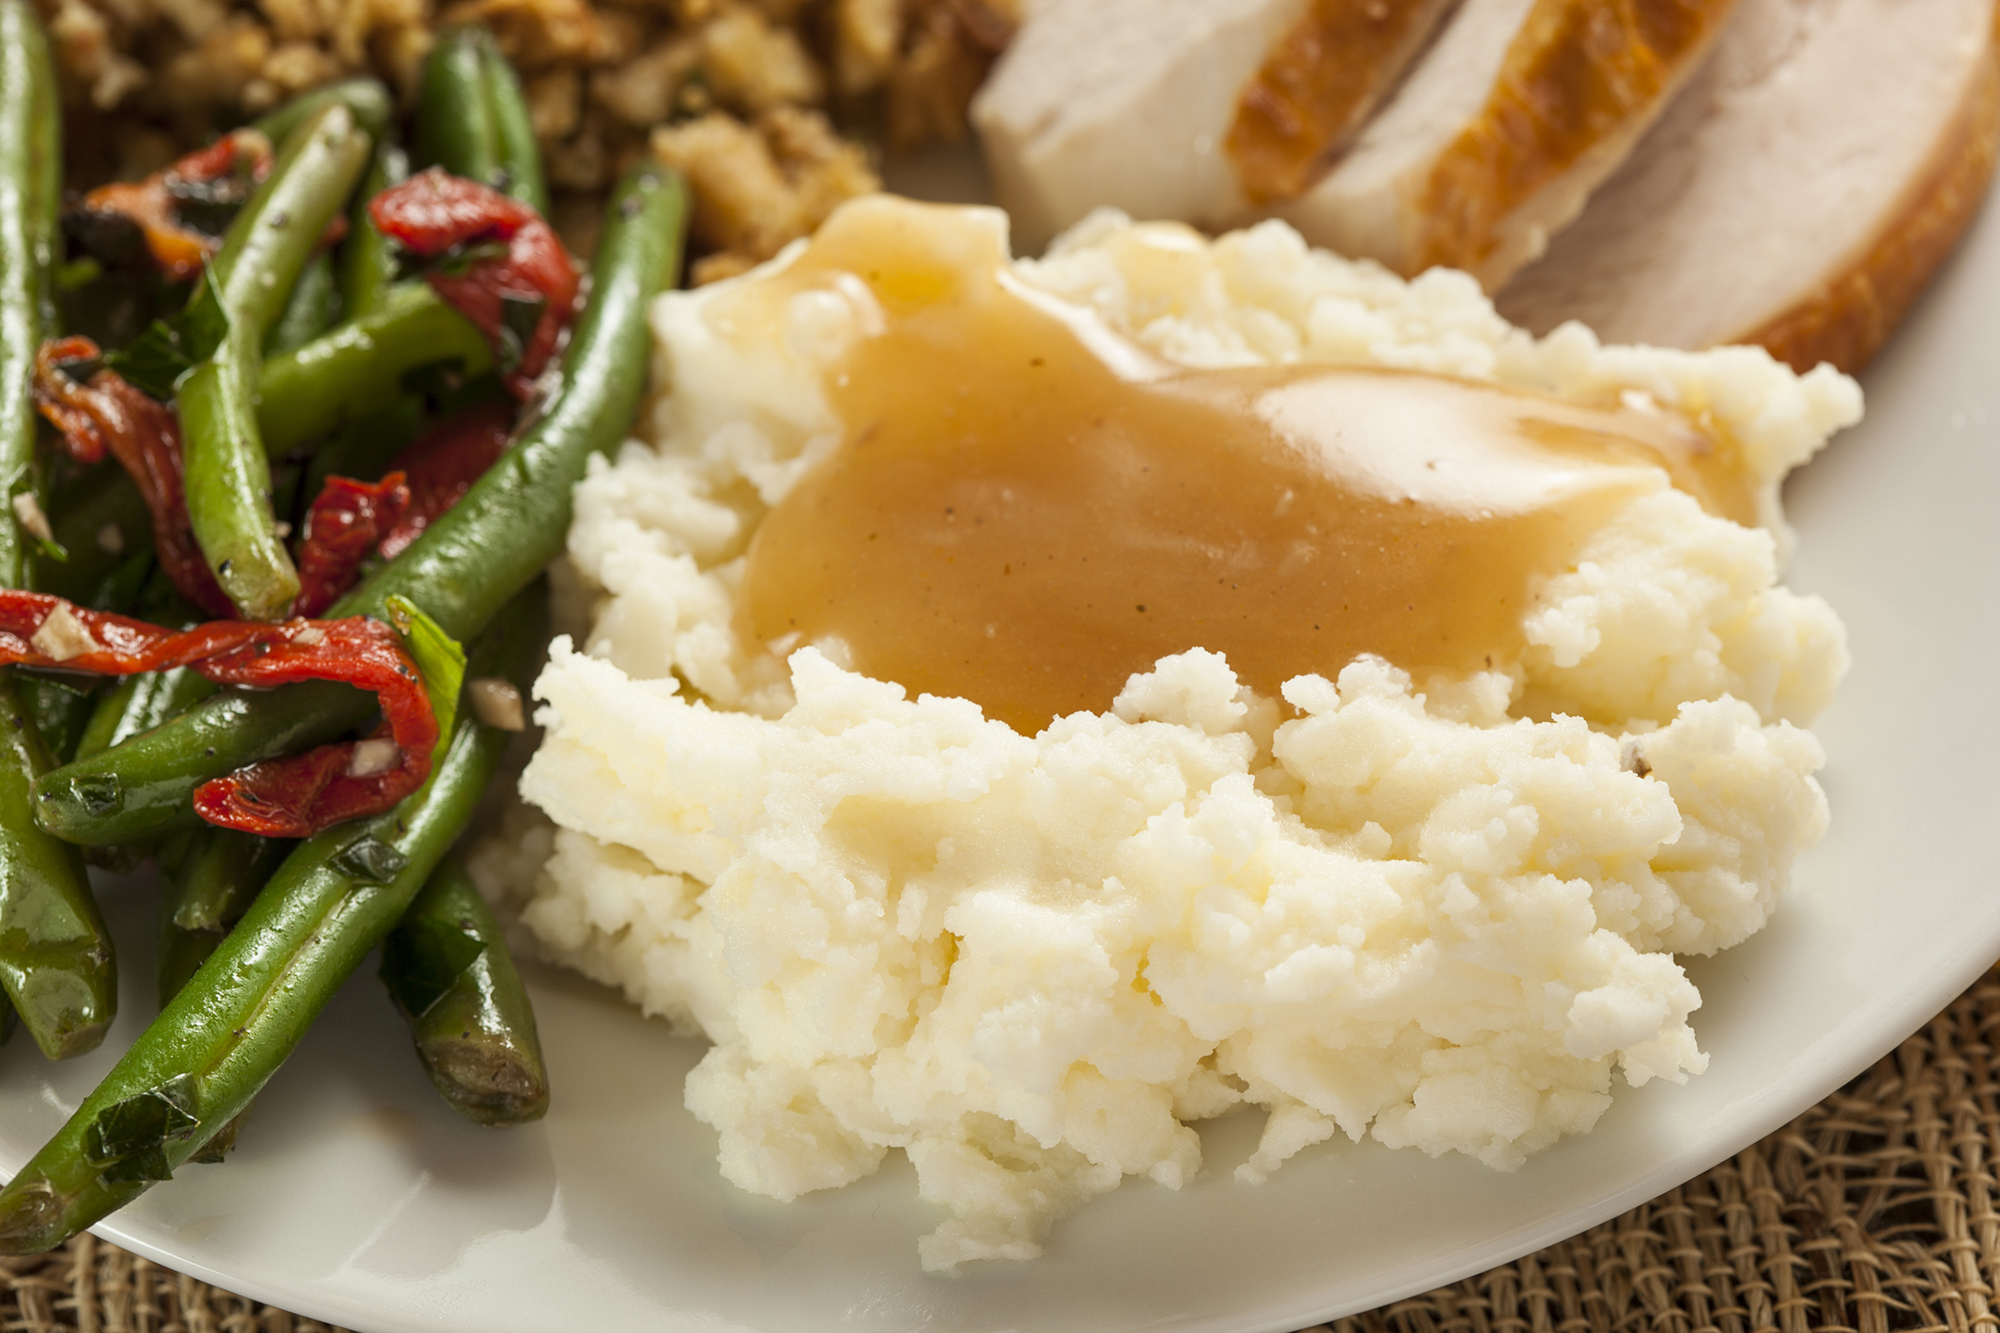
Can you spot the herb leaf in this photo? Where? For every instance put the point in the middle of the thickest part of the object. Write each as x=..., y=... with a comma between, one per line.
x=140, y=1126
x=370, y=860
x=520, y=316
x=150, y=1165
x=423, y=959
x=169, y=348
x=100, y=793
x=437, y=655
x=462, y=260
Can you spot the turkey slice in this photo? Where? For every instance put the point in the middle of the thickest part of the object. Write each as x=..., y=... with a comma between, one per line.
x=1318, y=86
x=1798, y=194
x=1186, y=109
x=1497, y=137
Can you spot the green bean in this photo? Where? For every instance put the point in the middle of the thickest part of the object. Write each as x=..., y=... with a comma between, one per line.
x=354, y=370
x=448, y=969
x=61, y=708
x=181, y=953
x=313, y=309
x=461, y=571
x=519, y=151
x=55, y=958
x=520, y=157
x=229, y=483
x=454, y=127
x=207, y=889
x=144, y=788
x=473, y=121
x=367, y=259
x=366, y=98
x=228, y=475
x=207, y=1054
x=30, y=191
x=132, y=707
x=205, y=892
x=219, y=1143
x=280, y=228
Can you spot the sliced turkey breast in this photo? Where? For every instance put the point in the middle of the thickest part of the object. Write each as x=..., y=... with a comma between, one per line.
x=1317, y=87
x=1187, y=109
x=1497, y=137
x=1799, y=193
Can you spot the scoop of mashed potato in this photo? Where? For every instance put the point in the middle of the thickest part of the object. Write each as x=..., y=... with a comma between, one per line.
x=1437, y=913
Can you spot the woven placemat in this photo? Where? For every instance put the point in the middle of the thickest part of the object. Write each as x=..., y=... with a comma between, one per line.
x=1872, y=1212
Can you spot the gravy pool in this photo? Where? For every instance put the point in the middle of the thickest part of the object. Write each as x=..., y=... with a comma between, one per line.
x=1025, y=509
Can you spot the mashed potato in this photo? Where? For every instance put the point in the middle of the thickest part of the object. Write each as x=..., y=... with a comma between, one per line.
x=1437, y=913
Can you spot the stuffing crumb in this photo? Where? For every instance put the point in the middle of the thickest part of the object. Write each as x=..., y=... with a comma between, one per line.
x=759, y=187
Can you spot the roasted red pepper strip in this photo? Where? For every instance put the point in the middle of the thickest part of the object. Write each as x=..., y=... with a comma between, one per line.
x=346, y=523
x=350, y=519
x=298, y=796
x=145, y=437
x=286, y=798
x=180, y=251
x=441, y=465
x=435, y=211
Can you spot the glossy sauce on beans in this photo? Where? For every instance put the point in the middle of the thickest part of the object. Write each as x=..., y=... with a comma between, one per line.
x=1024, y=508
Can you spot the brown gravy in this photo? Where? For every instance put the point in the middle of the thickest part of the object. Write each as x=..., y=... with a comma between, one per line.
x=1025, y=509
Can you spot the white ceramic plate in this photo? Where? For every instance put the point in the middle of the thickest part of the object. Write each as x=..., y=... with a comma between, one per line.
x=357, y=1198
